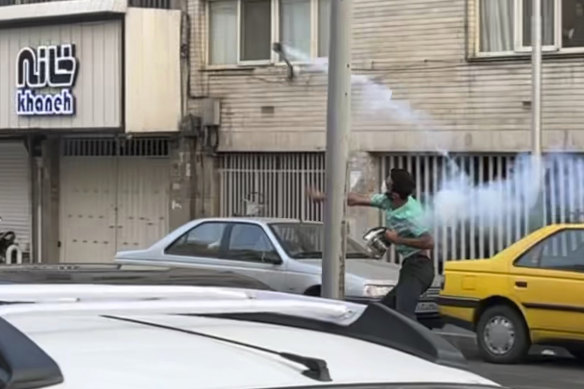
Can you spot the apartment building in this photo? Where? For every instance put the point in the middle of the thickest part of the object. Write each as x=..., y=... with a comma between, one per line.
x=166, y=110
x=440, y=75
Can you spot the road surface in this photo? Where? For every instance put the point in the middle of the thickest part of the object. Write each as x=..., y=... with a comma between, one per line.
x=546, y=368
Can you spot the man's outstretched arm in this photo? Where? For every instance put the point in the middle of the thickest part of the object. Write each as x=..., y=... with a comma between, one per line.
x=359, y=200
x=353, y=199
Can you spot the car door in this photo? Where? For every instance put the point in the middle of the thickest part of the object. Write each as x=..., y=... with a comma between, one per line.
x=548, y=280
x=202, y=246
x=240, y=247
x=249, y=251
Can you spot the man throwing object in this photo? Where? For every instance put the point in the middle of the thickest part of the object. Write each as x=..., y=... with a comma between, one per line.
x=405, y=230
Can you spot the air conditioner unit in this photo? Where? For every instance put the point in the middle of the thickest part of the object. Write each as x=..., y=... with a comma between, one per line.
x=211, y=112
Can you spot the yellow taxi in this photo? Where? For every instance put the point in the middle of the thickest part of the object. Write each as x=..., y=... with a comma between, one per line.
x=530, y=293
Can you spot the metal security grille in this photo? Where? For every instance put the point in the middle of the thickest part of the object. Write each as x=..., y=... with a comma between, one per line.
x=270, y=184
x=110, y=147
x=487, y=233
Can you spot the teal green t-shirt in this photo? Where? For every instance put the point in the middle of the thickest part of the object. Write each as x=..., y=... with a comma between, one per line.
x=407, y=220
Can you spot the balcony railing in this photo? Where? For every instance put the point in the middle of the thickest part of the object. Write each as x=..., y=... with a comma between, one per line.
x=158, y=4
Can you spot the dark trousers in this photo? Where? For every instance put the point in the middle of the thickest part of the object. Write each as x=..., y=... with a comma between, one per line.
x=415, y=277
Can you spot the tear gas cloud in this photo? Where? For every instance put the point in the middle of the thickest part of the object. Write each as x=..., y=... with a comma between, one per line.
x=459, y=198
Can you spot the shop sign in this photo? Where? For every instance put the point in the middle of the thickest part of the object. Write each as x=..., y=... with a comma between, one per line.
x=45, y=78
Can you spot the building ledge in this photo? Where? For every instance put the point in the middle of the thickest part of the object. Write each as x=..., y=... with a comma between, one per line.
x=54, y=9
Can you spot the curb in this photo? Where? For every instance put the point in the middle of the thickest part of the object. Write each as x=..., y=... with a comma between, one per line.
x=467, y=344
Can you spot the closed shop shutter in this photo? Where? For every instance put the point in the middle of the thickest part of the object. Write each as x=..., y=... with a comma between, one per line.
x=15, y=208
x=113, y=197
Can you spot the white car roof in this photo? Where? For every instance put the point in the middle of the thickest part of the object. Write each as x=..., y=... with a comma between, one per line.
x=178, y=337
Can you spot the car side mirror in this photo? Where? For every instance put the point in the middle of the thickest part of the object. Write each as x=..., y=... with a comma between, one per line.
x=273, y=258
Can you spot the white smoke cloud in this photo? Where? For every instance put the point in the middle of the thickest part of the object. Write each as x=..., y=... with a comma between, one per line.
x=458, y=199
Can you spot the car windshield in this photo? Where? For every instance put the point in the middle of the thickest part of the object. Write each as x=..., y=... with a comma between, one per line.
x=305, y=241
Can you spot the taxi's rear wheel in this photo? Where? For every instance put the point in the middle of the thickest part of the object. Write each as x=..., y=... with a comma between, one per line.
x=502, y=335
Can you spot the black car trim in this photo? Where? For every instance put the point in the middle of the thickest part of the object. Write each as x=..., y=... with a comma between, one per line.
x=367, y=300
x=554, y=307
x=23, y=364
x=126, y=274
x=378, y=324
x=317, y=368
x=458, y=322
x=430, y=320
x=403, y=385
x=460, y=302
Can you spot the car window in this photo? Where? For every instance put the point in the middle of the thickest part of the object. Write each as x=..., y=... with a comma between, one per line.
x=249, y=242
x=306, y=241
x=561, y=251
x=202, y=241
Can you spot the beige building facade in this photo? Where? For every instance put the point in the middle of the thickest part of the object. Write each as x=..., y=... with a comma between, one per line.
x=455, y=86
x=430, y=76
x=180, y=109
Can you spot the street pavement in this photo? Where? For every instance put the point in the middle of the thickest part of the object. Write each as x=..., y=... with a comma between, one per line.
x=546, y=367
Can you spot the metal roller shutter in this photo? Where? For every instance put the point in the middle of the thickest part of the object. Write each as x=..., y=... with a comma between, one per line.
x=114, y=196
x=15, y=208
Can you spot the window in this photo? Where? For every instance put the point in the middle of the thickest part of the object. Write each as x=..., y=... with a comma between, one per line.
x=223, y=32
x=504, y=26
x=243, y=31
x=202, y=241
x=256, y=30
x=496, y=25
x=305, y=241
x=295, y=25
x=249, y=242
x=324, y=25
x=561, y=251
x=572, y=23
x=547, y=20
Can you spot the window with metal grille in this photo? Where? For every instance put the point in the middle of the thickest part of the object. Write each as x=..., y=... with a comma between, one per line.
x=271, y=184
x=485, y=233
x=275, y=184
x=110, y=147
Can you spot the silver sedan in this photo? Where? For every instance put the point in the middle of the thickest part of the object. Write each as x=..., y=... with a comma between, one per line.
x=284, y=254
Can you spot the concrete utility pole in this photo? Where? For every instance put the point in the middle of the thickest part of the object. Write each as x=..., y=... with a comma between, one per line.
x=338, y=128
x=536, y=45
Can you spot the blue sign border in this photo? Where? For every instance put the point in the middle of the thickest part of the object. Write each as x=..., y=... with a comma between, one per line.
x=54, y=67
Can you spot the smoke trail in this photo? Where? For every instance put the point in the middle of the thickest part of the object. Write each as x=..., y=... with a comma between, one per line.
x=458, y=199
x=375, y=98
